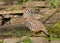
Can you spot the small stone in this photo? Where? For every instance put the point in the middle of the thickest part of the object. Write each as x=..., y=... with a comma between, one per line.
x=11, y=40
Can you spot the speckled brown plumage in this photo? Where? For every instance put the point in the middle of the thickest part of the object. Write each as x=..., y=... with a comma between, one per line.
x=33, y=24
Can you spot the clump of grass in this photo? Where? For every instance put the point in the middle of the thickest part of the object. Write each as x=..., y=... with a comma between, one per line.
x=54, y=3
x=27, y=40
x=21, y=1
x=1, y=42
x=55, y=30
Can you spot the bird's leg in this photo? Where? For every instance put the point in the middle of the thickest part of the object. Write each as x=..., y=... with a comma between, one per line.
x=33, y=33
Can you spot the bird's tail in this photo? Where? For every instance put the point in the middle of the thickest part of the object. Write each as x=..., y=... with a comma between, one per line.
x=48, y=35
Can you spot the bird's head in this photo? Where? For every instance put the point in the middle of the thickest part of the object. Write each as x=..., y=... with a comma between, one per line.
x=27, y=12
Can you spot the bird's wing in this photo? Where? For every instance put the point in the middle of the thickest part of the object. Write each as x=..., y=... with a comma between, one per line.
x=37, y=22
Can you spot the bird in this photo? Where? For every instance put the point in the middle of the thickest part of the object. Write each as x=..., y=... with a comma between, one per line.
x=33, y=24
